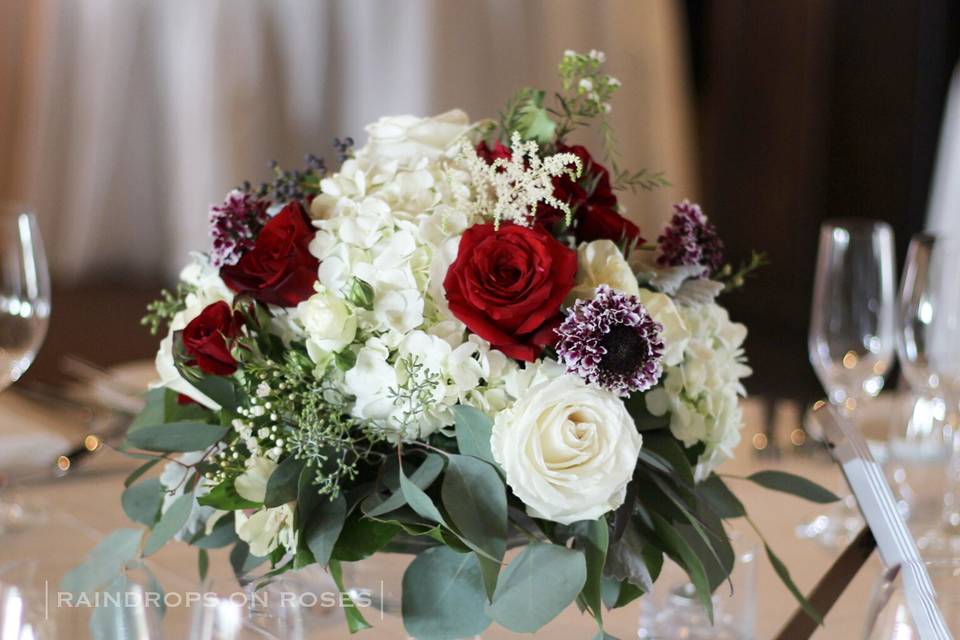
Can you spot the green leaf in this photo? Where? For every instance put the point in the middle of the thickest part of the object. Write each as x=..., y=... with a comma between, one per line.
x=219, y=389
x=308, y=497
x=475, y=499
x=242, y=561
x=722, y=501
x=534, y=122
x=644, y=420
x=423, y=477
x=139, y=471
x=625, y=560
x=173, y=411
x=794, y=485
x=595, y=541
x=540, y=583
x=141, y=502
x=679, y=550
x=473, y=430
x=362, y=537
x=104, y=562
x=489, y=572
x=667, y=449
x=153, y=410
x=224, y=533
x=203, y=563
x=282, y=487
x=784, y=574
x=419, y=501
x=323, y=528
x=177, y=436
x=355, y=619
x=170, y=523
x=224, y=496
x=443, y=596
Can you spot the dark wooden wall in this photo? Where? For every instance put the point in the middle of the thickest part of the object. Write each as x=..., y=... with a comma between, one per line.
x=811, y=109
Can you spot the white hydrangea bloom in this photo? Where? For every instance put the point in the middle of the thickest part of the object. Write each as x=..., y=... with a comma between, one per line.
x=701, y=392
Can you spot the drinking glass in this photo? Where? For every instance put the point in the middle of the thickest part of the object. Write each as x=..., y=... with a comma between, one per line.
x=888, y=617
x=852, y=335
x=24, y=308
x=929, y=350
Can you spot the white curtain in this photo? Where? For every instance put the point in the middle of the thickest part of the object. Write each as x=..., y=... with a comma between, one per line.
x=148, y=111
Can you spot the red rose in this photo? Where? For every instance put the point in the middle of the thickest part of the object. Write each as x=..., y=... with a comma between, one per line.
x=205, y=339
x=279, y=269
x=600, y=223
x=499, y=151
x=592, y=202
x=507, y=285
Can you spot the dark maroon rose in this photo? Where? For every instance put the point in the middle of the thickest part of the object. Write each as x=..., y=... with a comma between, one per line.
x=507, y=286
x=206, y=339
x=280, y=269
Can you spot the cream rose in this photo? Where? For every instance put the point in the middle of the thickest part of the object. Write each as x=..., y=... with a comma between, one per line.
x=330, y=324
x=568, y=450
x=601, y=262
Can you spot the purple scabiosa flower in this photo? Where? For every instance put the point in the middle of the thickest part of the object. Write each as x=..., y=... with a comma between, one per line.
x=612, y=341
x=234, y=226
x=690, y=239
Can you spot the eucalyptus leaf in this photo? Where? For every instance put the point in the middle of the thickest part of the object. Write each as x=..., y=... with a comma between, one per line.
x=170, y=523
x=443, y=597
x=625, y=560
x=362, y=537
x=142, y=501
x=242, y=561
x=475, y=499
x=794, y=485
x=223, y=534
x=283, y=484
x=423, y=477
x=104, y=562
x=540, y=583
x=176, y=436
x=323, y=528
x=139, y=471
x=419, y=501
x=203, y=563
x=473, y=430
x=152, y=412
x=355, y=620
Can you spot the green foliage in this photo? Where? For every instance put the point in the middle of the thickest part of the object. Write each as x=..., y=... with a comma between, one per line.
x=360, y=294
x=355, y=619
x=540, y=583
x=323, y=527
x=414, y=392
x=794, y=485
x=283, y=484
x=104, y=563
x=170, y=523
x=735, y=278
x=141, y=502
x=443, y=596
x=161, y=311
x=176, y=436
x=473, y=430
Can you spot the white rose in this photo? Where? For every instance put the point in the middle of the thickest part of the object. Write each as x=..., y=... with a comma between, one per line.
x=568, y=450
x=601, y=262
x=329, y=322
x=675, y=334
x=408, y=139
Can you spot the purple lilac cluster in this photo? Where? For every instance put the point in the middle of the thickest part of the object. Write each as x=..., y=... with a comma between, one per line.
x=690, y=239
x=234, y=226
x=612, y=341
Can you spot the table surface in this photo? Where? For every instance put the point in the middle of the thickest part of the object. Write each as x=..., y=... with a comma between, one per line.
x=79, y=509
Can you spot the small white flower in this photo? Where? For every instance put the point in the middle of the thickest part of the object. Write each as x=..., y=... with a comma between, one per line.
x=329, y=322
x=613, y=82
x=586, y=84
x=267, y=529
x=569, y=53
x=568, y=450
x=599, y=56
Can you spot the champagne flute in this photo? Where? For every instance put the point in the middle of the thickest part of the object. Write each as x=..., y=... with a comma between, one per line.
x=929, y=349
x=852, y=334
x=24, y=308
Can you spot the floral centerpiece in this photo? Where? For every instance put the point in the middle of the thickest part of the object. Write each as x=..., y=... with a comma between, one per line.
x=455, y=340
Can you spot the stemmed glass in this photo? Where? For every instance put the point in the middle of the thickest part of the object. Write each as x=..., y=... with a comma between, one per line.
x=852, y=334
x=24, y=308
x=888, y=616
x=929, y=349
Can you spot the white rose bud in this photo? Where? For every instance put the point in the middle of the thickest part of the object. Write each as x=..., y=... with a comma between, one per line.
x=330, y=324
x=601, y=262
x=568, y=450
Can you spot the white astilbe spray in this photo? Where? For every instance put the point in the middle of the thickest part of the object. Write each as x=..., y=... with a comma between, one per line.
x=511, y=188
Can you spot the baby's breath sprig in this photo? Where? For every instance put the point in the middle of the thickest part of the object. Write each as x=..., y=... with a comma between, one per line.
x=161, y=311
x=585, y=93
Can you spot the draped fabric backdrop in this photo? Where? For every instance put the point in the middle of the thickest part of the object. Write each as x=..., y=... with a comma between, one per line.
x=129, y=117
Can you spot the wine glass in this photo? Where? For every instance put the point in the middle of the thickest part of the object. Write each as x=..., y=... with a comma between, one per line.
x=852, y=335
x=24, y=308
x=888, y=617
x=929, y=349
